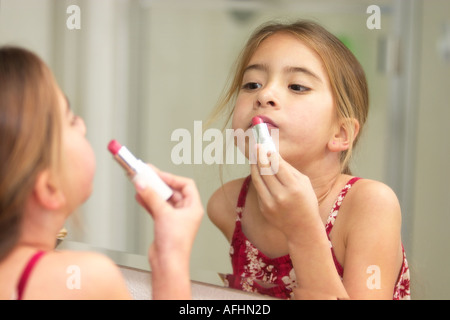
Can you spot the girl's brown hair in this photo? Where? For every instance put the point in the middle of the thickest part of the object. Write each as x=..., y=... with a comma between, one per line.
x=346, y=76
x=29, y=133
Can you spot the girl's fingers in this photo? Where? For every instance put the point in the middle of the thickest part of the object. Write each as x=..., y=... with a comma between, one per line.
x=182, y=187
x=268, y=165
x=176, y=200
x=260, y=186
x=173, y=181
x=272, y=165
x=150, y=200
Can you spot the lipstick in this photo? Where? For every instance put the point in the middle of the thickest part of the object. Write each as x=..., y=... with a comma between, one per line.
x=135, y=167
x=262, y=135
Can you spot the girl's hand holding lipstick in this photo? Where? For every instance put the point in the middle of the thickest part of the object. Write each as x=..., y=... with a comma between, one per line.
x=285, y=197
x=287, y=201
x=176, y=222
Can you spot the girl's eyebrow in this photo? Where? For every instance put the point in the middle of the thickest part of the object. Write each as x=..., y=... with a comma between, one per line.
x=303, y=70
x=256, y=66
x=265, y=68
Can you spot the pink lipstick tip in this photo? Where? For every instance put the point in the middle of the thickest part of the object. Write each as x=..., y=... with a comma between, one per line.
x=256, y=120
x=114, y=147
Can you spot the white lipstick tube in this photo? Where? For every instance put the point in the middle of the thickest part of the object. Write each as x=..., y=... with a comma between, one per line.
x=136, y=169
x=262, y=135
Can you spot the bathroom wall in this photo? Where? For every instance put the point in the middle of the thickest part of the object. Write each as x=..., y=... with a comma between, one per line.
x=19, y=16
x=430, y=250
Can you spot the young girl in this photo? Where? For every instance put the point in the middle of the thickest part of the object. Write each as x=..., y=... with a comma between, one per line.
x=46, y=172
x=310, y=229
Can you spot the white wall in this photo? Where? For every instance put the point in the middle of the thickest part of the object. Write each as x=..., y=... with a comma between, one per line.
x=430, y=251
x=19, y=17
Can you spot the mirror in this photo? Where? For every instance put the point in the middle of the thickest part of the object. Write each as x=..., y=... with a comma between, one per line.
x=146, y=72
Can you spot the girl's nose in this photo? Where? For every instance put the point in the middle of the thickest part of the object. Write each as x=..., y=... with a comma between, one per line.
x=266, y=98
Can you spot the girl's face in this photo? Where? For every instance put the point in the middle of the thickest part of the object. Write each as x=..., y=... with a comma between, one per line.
x=78, y=159
x=285, y=82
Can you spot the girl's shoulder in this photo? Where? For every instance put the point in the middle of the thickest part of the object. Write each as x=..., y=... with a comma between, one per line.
x=230, y=188
x=367, y=191
x=76, y=275
x=221, y=207
x=372, y=204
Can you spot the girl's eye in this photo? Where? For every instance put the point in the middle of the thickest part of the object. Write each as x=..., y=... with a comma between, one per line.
x=251, y=86
x=299, y=88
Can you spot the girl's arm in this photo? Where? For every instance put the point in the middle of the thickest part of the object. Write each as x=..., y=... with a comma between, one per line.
x=373, y=252
x=176, y=223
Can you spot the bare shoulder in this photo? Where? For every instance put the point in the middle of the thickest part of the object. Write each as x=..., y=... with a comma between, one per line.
x=221, y=206
x=373, y=204
x=77, y=275
x=375, y=193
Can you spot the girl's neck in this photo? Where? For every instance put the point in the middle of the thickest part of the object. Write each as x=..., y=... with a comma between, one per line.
x=323, y=185
x=324, y=175
x=39, y=229
x=41, y=242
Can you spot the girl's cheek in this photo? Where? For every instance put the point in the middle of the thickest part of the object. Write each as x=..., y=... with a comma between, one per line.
x=234, y=120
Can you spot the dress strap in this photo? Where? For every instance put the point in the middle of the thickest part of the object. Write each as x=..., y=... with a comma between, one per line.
x=26, y=273
x=337, y=204
x=242, y=196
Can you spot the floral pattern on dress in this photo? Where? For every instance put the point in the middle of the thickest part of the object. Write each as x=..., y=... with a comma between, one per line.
x=402, y=289
x=260, y=275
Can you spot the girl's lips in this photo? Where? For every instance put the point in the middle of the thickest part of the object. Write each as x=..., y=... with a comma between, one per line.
x=270, y=124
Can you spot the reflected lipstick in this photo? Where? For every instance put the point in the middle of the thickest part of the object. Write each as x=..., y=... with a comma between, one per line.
x=262, y=135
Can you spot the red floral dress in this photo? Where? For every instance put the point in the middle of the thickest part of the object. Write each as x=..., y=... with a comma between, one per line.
x=255, y=272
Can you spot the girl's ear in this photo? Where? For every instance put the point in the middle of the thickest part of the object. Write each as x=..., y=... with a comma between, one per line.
x=344, y=135
x=47, y=192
